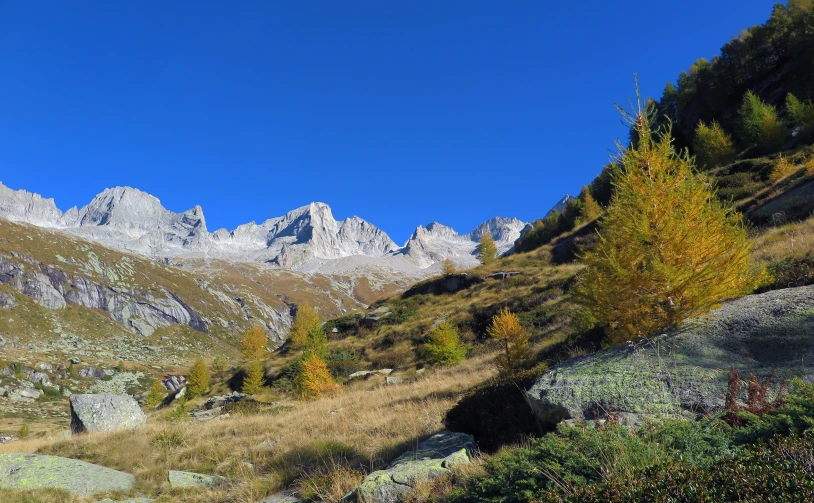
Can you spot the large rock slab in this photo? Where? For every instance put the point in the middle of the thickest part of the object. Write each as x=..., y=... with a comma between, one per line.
x=432, y=459
x=33, y=471
x=686, y=370
x=104, y=412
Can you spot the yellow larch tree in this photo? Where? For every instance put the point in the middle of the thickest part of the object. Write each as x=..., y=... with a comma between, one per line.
x=305, y=321
x=516, y=352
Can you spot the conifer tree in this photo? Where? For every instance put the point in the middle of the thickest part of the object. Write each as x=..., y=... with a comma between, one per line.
x=801, y=113
x=713, y=147
x=316, y=342
x=198, y=379
x=255, y=377
x=487, y=250
x=516, y=353
x=449, y=267
x=156, y=395
x=444, y=346
x=254, y=343
x=668, y=249
x=759, y=123
x=314, y=378
x=305, y=321
x=782, y=168
x=589, y=209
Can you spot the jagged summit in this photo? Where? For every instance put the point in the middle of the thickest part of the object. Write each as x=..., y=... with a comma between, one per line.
x=133, y=220
x=560, y=205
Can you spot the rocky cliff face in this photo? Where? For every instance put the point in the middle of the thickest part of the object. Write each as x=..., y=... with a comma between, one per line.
x=135, y=221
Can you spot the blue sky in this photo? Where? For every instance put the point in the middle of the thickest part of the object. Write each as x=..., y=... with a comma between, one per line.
x=401, y=112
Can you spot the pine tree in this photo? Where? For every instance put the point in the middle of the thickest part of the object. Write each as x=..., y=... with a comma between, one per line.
x=314, y=378
x=444, y=346
x=254, y=343
x=589, y=209
x=255, y=377
x=156, y=395
x=668, y=249
x=316, y=342
x=487, y=250
x=305, y=321
x=516, y=354
x=759, y=123
x=449, y=267
x=198, y=379
x=713, y=147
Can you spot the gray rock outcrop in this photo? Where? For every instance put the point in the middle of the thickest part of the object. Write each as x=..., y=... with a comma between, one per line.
x=179, y=479
x=432, y=459
x=34, y=471
x=686, y=370
x=104, y=412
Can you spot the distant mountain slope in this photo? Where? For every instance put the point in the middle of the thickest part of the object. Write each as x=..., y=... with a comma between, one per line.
x=307, y=238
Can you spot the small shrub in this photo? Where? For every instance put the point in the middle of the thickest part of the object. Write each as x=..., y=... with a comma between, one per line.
x=24, y=431
x=782, y=168
x=168, y=440
x=444, y=346
x=180, y=413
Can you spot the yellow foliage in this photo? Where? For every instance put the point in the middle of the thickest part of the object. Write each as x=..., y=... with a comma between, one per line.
x=782, y=168
x=254, y=343
x=305, y=322
x=809, y=165
x=255, y=377
x=198, y=379
x=713, y=147
x=487, y=251
x=314, y=378
x=506, y=327
x=449, y=267
x=589, y=209
x=444, y=346
x=156, y=395
x=668, y=249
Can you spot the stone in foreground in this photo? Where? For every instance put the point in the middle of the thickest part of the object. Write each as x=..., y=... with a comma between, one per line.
x=686, y=371
x=433, y=458
x=179, y=479
x=104, y=412
x=34, y=471
x=283, y=497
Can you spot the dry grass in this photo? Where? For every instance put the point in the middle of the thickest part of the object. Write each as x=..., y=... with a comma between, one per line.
x=790, y=240
x=321, y=447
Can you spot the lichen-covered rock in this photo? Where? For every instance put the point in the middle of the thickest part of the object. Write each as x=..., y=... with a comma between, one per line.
x=104, y=412
x=179, y=479
x=33, y=471
x=686, y=370
x=433, y=458
x=283, y=497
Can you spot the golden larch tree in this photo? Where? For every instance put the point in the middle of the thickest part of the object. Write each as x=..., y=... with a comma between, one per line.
x=487, y=250
x=668, y=248
x=198, y=379
x=516, y=352
x=448, y=267
x=314, y=378
x=255, y=378
x=254, y=343
x=444, y=346
x=305, y=321
x=589, y=209
x=156, y=395
x=712, y=145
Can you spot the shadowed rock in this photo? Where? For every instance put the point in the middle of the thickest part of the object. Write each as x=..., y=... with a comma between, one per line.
x=33, y=471
x=432, y=459
x=685, y=371
x=104, y=412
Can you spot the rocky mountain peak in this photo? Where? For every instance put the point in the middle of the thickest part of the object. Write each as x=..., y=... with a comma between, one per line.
x=24, y=206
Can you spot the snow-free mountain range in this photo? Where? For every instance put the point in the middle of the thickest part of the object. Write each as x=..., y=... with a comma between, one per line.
x=306, y=239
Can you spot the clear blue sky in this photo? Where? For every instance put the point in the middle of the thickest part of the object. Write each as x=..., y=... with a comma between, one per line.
x=401, y=112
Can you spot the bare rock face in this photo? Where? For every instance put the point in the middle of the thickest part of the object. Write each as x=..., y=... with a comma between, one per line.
x=104, y=412
x=685, y=371
x=24, y=206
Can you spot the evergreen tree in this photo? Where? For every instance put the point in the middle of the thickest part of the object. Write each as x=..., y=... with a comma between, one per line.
x=156, y=395
x=668, y=249
x=801, y=113
x=516, y=353
x=589, y=209
x=255, y=377
x=759, y=124
x=314, y=378
x=713, y=147
x=449, y=267
x=487, y=251
x=444, y=346
x=198, y=379
x=305, y=321
x=254, y=343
